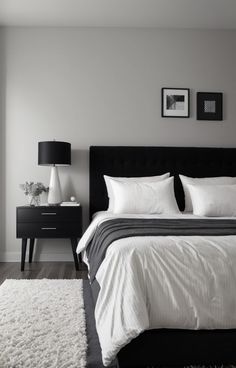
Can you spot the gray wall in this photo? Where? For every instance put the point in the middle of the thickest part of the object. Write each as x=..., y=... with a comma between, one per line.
x=102, y=86
x=2, y=141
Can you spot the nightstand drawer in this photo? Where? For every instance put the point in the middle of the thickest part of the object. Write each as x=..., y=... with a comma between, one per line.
x=49, y=230
x=49, y=214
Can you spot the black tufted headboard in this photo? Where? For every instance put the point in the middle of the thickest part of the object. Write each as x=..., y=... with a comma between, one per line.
x=147, y=161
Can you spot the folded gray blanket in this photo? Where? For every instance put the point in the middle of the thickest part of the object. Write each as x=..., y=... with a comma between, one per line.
x=115, y=229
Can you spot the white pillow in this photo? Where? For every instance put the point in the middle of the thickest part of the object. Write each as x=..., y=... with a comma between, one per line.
x=145, y=179
x=220, y=180
x=145, y=198
x=213, y=200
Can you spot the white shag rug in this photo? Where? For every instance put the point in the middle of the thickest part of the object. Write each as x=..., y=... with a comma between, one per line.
x=42, y=324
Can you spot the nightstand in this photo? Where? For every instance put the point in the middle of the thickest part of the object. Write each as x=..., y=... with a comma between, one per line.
x=48, y=222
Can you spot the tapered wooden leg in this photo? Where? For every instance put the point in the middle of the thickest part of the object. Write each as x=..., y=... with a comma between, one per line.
x=31, y=250
x=23, y=252
x=73, y=246
x=80, y=258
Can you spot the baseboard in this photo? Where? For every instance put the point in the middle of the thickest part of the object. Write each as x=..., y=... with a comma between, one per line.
x=51, y=257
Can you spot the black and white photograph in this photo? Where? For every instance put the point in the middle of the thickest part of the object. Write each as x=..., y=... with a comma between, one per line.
x=210, y=106
x=175, y=102
x=117, y=205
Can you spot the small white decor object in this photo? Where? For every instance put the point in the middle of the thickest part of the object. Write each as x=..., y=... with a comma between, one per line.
x=32, y=191
x=72, y=204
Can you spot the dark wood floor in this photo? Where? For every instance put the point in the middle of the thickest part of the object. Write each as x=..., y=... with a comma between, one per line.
x=40, y=270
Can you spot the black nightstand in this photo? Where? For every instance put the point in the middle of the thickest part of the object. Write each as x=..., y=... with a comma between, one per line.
x=48, y=222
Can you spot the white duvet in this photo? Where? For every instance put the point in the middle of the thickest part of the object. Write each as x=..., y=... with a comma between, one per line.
x=186, y=282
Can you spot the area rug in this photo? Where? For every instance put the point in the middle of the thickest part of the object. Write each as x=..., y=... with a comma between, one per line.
x=42, y=324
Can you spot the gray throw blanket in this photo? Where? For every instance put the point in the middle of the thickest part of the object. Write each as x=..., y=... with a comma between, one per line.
x=115, y=229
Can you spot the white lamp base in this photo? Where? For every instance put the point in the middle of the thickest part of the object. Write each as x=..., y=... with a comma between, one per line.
x=54, y=194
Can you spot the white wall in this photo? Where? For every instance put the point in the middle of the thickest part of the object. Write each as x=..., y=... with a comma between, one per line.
x=102, y=86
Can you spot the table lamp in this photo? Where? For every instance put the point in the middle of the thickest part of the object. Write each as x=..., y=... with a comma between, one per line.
x=53, y=153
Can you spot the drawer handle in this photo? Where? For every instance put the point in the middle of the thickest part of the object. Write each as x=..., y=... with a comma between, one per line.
x=48, y=213
x=48, y=228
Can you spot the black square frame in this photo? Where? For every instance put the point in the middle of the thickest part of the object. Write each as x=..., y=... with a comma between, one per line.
x=172, y=114
x=210, y=106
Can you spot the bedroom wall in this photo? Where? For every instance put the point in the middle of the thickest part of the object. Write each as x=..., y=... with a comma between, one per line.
x=2, y=142
x=102, y=86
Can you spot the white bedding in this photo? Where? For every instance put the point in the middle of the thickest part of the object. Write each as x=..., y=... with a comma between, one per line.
x=186, y=282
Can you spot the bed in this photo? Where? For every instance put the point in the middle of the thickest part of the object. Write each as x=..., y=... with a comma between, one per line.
x=168, y=347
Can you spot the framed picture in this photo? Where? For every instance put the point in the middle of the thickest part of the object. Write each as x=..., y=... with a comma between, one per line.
x=209, y=106
x=175, y=102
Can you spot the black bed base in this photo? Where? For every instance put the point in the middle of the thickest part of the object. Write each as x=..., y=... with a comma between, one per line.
x=171, y=348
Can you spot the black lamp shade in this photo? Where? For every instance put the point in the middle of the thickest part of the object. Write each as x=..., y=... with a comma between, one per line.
x=54, y=153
